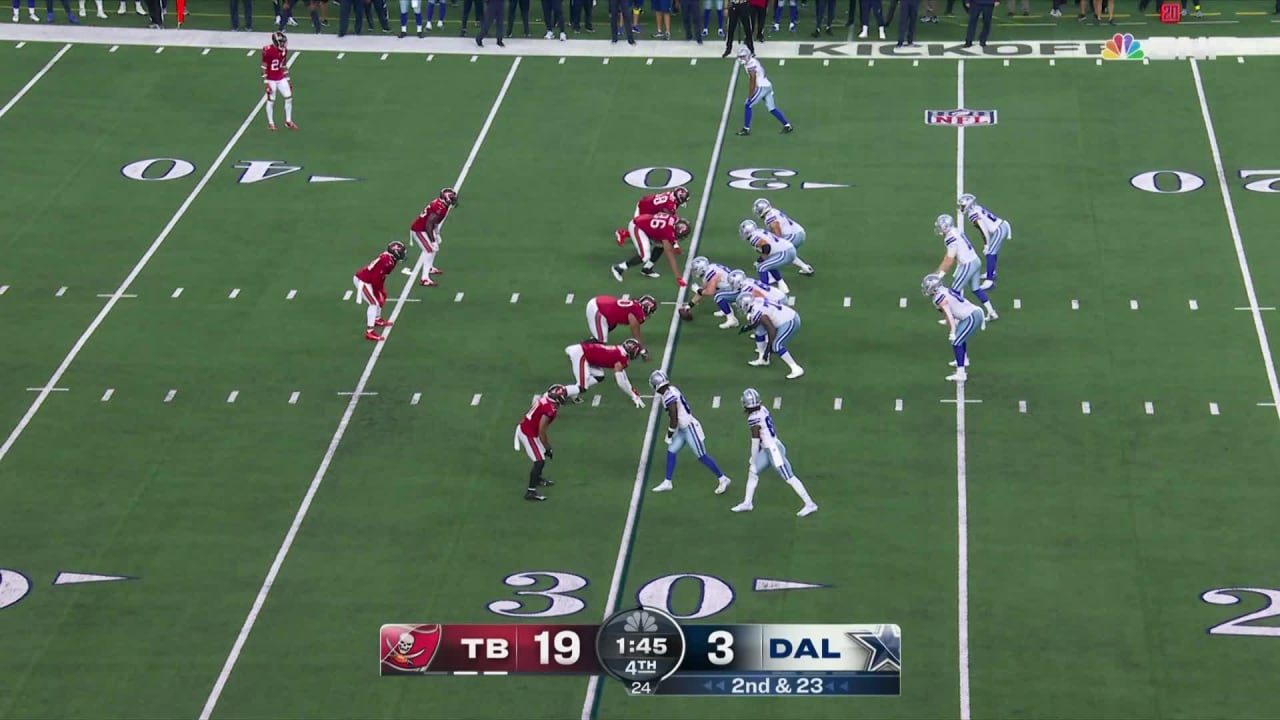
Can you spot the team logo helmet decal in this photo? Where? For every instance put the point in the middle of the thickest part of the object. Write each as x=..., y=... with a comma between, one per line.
x=397, y=250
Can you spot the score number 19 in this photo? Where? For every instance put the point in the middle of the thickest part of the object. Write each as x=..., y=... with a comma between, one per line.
x=565, y=643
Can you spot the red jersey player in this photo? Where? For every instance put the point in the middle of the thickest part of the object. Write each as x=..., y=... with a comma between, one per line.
x=645, y=231
x=275, y=74
x=589, y=360
x=667, y=201
x=425, y=233
x=371, y=287
x=531, y=435
x=606, y=312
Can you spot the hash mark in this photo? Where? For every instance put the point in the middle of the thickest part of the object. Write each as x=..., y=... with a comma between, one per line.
x=1193, y=304
x=693, y=61
x=474, y=58
x=1133, y=304
x=176, y=292
x=871, y=63
x=430, y=58
x=1099, y=63
x=4, y=289
x=595, y=401
x=61, y=291
x=1086, y=408
x=1241, y=61
x=782, y=62
x=561, y=61
x=457, y=298
x=117, y=47
x=20, y=45
x=649, y=61
x=250, y=54
x=1051, y=62
x=1150, y=407
x=515, y=297
x=1006, y=63
x=1022, y=406
x=777, y=403
x=113, y=49
x=168, y=397
x=292, y=294
x=848, y=301
x=475, y=400
x=384, y=56
x=606, y=61
x=159, y=49
x=232, y=397
x=293, y=397
x=417, y=398
x=915, y=63
x=1213, y=408
x=626, y=296
x=902, y=302
x=791, y=300
x=1017, y=303
x=826, y=63
x=112, y=391
x=839, y=403
x=715, y=402
x=340, y=55
x=346, y=296
x=1075, y=304
x=234, y=293
x=568, y=299
x=897, y=405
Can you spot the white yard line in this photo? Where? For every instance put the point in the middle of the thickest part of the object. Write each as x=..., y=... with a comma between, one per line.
x=34, y=79
x=1263, y=344
x=227, y=667
x=962, y=500
x=133, y=275
x=637, y=488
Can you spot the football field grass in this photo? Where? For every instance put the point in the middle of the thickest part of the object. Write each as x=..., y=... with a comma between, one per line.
x=186, y=400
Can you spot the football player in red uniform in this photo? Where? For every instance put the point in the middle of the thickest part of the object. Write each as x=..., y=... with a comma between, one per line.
x=275, y=75
x=531, y=436
x=645, y=231
x=425, y=233
x=589, y=360
x=664, y=202
x=371, y=287
x=606, y=312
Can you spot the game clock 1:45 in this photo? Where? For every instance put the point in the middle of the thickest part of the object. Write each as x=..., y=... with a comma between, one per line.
x=641, y=647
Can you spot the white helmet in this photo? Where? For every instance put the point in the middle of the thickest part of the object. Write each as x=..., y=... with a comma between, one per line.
x=943, y=224
x=657, y=379
x=966, y=201
x=743, y=53
x=746, y=228
x=761, y=206
x=699, y=266
x=745, y=302
x=930, y=284
x=750, y=398
x=737, y=279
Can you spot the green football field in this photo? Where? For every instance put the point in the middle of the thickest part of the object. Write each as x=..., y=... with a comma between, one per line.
x=1085, y=528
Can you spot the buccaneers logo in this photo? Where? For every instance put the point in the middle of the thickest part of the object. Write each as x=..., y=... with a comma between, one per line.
x=407, y=648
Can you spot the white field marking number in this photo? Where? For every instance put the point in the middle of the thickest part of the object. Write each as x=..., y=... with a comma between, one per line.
x=1177, y=182
x=1239, y=625
x=716, y=595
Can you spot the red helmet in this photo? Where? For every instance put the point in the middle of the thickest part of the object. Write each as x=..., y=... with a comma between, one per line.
x=558, y=394
x=682, y=195
x=634, y=349
x=648, y=304
x=397, y=250
x=682, y=228
x=449, y=196
x=279, y=40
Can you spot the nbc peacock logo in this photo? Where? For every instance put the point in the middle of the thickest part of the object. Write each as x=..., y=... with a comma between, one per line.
x=1123, y=47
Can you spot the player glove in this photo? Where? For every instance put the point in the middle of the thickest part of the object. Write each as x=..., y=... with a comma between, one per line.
x=549, y=454
x=638, y=400
x=680, y=281
x=951, y=337
x=671, y=433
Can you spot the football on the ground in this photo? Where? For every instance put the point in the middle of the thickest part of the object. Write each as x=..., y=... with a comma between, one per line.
x=685, y=312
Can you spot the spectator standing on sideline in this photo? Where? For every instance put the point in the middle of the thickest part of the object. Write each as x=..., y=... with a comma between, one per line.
x=662, y=19
x=739, y=14
x=1026, y=6
x=930, y=11
x=983, y=8
x=66, y=5
x=492, y=14
x=466, y=10
x=154, y=9
x=759, y=10
x=348, y=8
x=248, y=15
x=777, y=14
x=829, y=16
x=524, y=16
x=553, y=16
x=580, y=15
x=617, y=14
x=31, y=10
x=907, y=23
x=872, y=7
x=693, y=25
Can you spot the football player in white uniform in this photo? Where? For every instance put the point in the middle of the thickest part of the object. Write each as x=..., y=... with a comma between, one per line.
x=767, y=449
x=962, y=317
x=715, y=284
x=781, y=225
x=960, y=253
x=994, y=231
x=758, y=89
x=683, y=430
x=780, y=322
x=749, y=287
x=774, y=253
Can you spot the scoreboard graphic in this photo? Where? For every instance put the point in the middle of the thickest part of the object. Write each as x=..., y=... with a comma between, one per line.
x=651, y=653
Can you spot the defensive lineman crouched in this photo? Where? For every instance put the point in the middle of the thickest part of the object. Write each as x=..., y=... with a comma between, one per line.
x=275, y=75
x=767, y=449
x=994, y=231
x=531, y=436
x=605, y=312
x=683, y=430
x=371, y=287
x=589, y=360
x=664, y=202
x=962, y=319
x=667, y=231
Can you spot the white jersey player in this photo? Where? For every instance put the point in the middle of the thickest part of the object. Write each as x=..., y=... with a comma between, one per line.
x=714, y=283
x=780, y=322
x=994, y=232
x=774, y=253
x=683, y=431
x=758, y=89
x=961, y=254
x=781, y=225
x=767, y=450
x=962, y=318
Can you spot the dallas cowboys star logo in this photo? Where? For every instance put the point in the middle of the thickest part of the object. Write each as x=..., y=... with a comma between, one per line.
x=885, y=644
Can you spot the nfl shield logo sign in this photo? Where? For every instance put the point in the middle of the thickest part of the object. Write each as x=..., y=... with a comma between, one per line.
x=960, y=118
x=407, y=648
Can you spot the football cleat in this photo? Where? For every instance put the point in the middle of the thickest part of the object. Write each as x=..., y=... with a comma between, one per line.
x=435, y=271
x=271, y=127
x=663, y=486
x=428, y=283
x=808, y=509
x=986, y=285
x=371, y=335
x=730, y=321
x=959, y=376
x=546, y=482
x=798, y=372
x=290, y=124
x=760, y=361
x=806, y=270
x=617, y=274
x=449, y=196
x=681, y=195
x=723, y=485
x=279, y=40
x=648, y=304
x=787, y=129
x=382, y=323
x=532, y=494
x=649, y=273
x=744, y=132
x=396, y=249
x=741, y=507
x=621, y=235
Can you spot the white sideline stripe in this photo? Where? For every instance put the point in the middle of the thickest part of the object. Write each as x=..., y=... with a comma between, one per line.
x=515, y=297
x=232, y=397
x=458, y=297
x=1017, y=303
x=777, y=403
x=1149, y=407
x=177, y=292
x=1133, y=304
x=168, y=397
x=1213, y=408
x=133, y=274
x=417, y=398
x=595, y=401
x=466, y=672
x=962, y=500
x=233, y=294
x=897, y=405
x=293, y=397
x=112, y=391
x=568, y=299
x=291, y=295
x=1264, y=345
x=61, y=291
x=839, y=403
x=848, y=301
x=252, y=617
x=637, y=488
x=475, y=400
x=1193, y=304
x=1022, y=406
x=715, y=402
x=1085, y=407
x=34, y=79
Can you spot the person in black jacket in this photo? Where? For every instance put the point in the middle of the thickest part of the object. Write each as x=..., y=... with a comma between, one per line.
x=983, y=8
x=739, y=14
